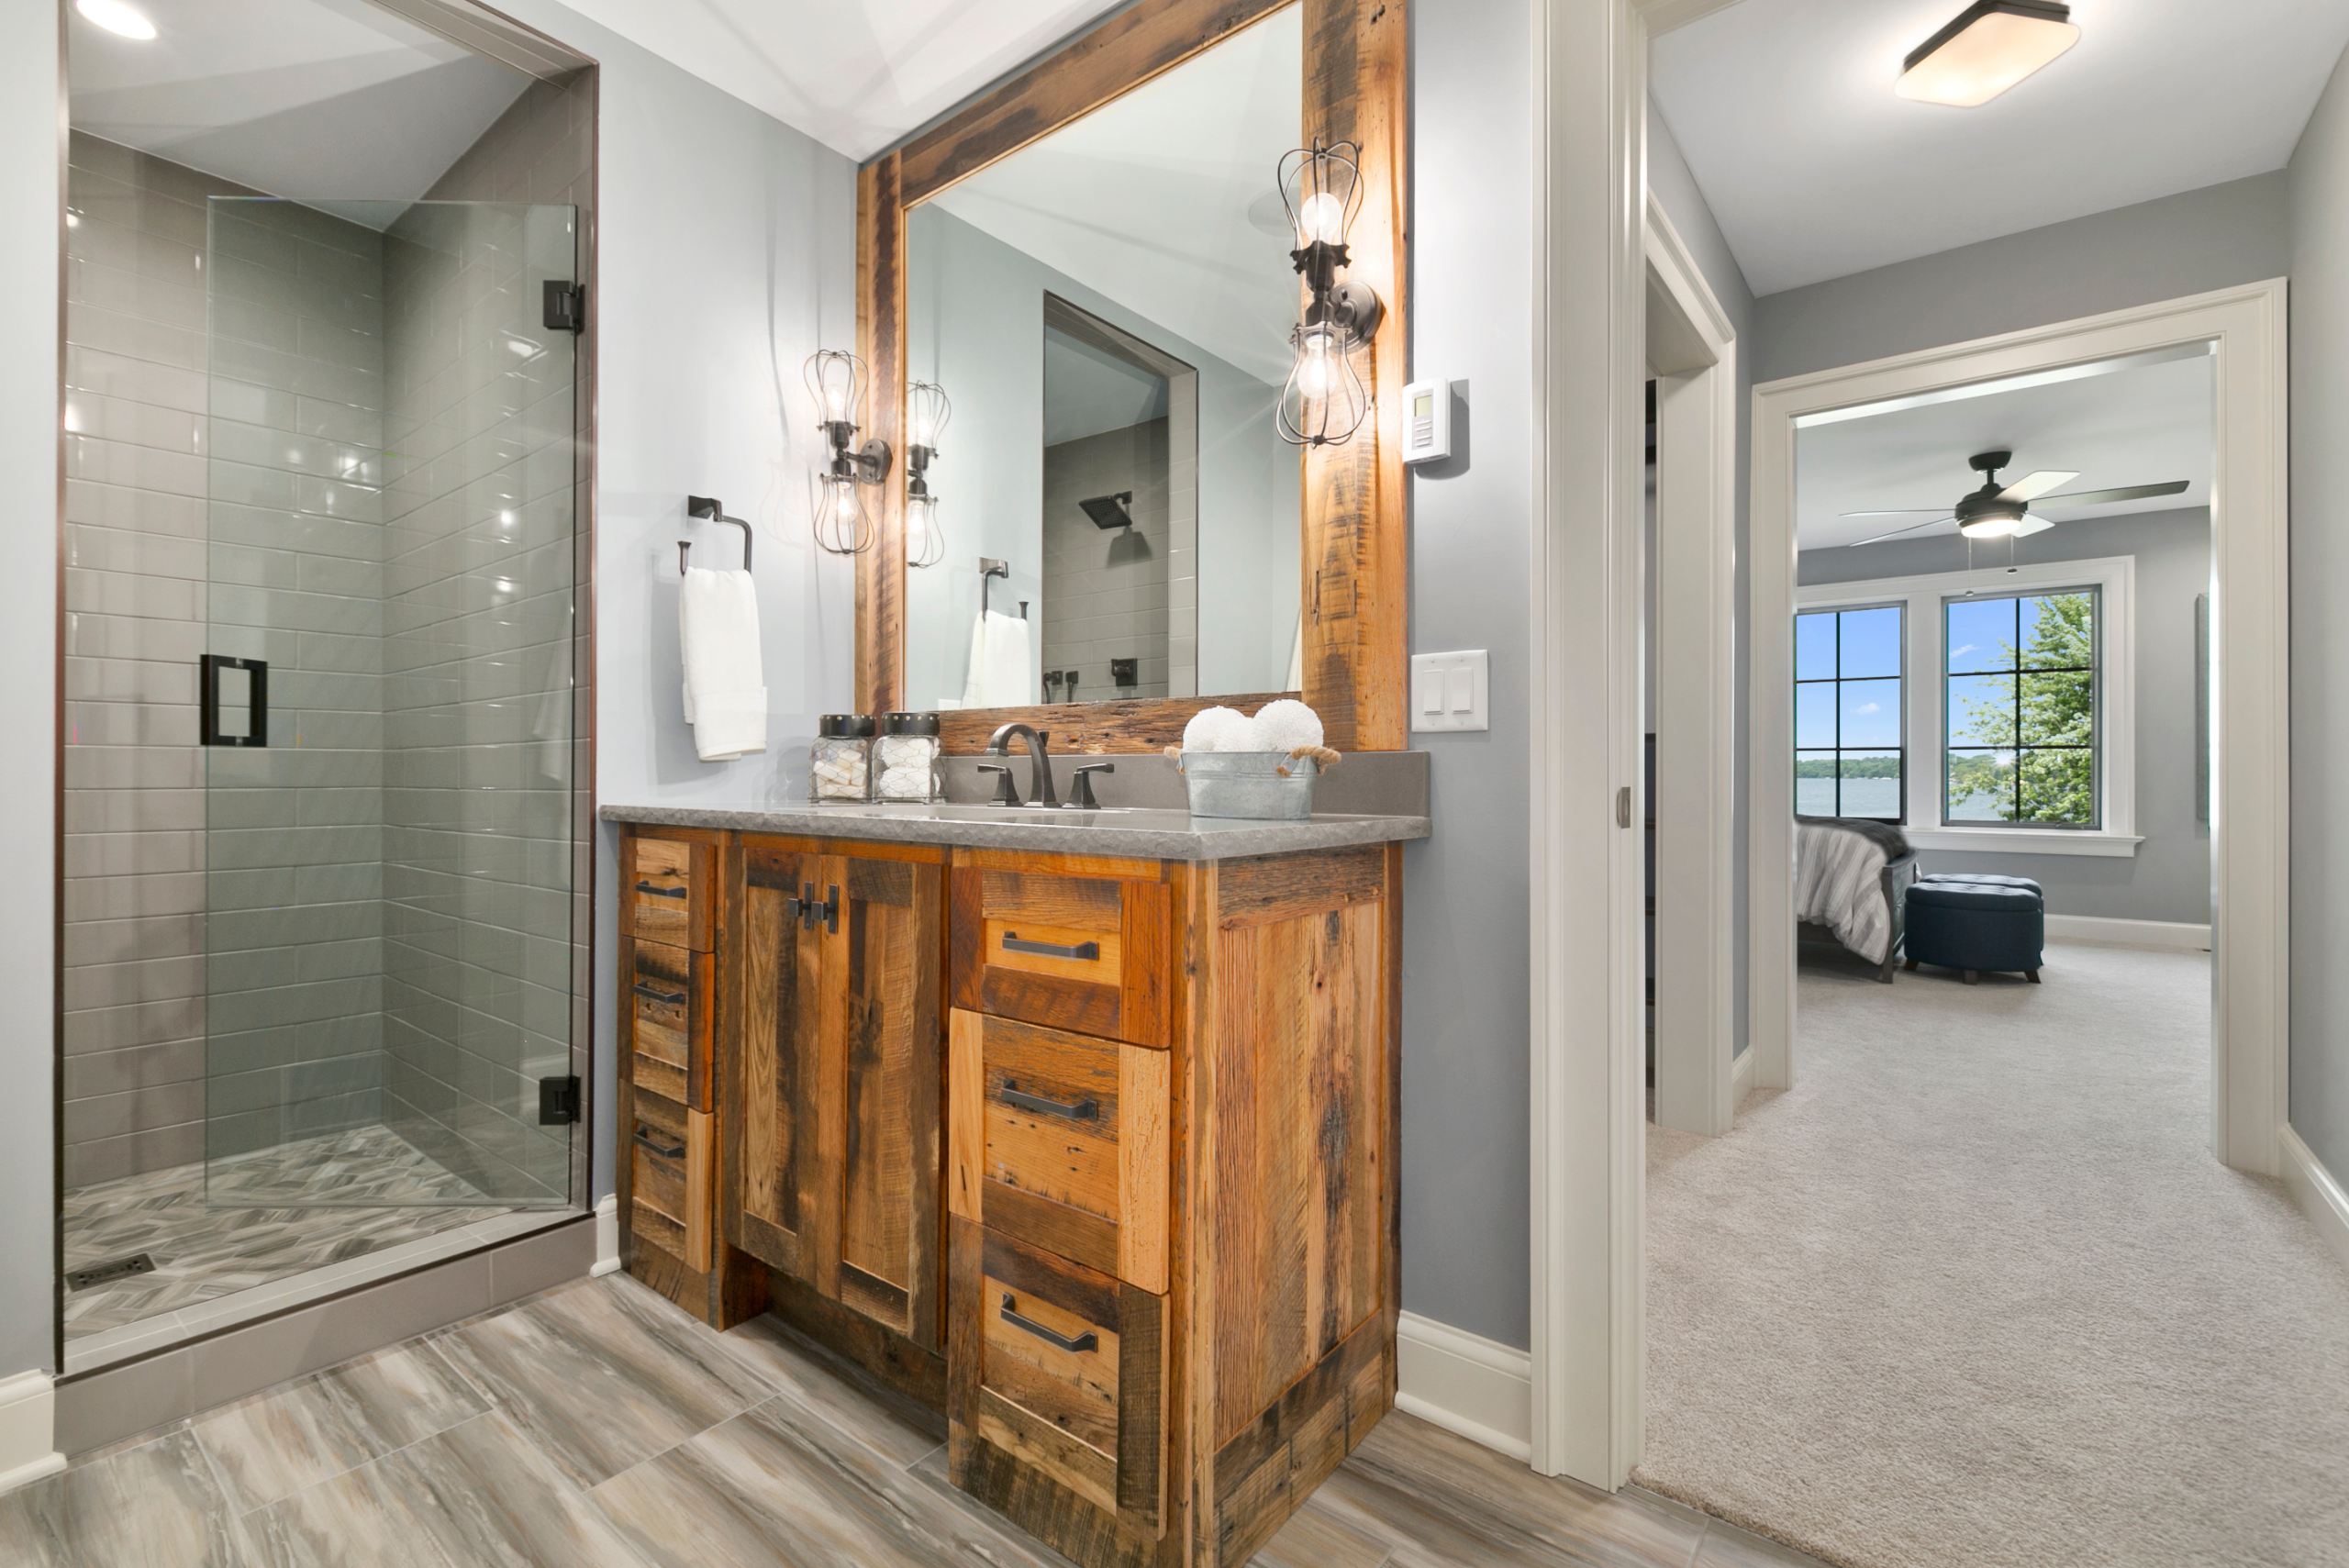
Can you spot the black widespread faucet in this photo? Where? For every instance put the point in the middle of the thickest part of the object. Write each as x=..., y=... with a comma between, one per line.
x=1039, y=765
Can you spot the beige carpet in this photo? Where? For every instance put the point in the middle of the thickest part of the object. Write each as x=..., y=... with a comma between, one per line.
x=1975, y=1295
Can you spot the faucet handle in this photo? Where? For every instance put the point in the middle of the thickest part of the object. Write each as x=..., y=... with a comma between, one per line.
x=1006, y=793
x=1081, y=791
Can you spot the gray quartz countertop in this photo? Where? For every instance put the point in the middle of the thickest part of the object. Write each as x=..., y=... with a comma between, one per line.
x=1143, y=833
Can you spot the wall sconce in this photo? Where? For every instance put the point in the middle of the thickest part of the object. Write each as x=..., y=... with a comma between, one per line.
x=927, y=411
x=1325, y=401
x=842, y=524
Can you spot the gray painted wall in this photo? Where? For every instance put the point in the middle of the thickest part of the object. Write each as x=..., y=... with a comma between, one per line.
x=2170, y=877
x=2184, y=244
x=1674, y=186
x=32, y=191
x=1465, y=955
x=2319, y=183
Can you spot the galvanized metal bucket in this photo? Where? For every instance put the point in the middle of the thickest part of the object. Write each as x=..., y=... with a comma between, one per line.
x=1270, y=787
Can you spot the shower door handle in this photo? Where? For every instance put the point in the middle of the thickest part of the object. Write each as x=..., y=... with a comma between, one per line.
x=256, y=700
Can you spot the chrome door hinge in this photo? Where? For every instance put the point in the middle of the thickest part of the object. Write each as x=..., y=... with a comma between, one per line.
x=1623, y=806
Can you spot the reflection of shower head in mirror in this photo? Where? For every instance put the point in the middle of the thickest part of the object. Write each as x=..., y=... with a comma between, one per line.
x=1109, y=511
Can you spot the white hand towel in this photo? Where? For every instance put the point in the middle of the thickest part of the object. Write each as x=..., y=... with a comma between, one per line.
x=998, y=675
x=726, y=693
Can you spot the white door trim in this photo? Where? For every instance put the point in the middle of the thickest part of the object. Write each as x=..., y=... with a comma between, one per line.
x=1693, y=351
x=2249, y=688
x=1586, y=1083
x=1586, y=1040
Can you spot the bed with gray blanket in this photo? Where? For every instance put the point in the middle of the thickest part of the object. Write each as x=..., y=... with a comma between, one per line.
x=1852, y=877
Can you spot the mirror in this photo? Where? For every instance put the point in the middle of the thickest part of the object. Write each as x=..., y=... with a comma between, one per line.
x=1107, y=311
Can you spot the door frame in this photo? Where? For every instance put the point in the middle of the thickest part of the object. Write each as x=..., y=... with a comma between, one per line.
x=1692, y=349
x=2250, y=686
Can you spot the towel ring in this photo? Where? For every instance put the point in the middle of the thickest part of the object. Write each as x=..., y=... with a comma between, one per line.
x=711, y=508
x=989, y=569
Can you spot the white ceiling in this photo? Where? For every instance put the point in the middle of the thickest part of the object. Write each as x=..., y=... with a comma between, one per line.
x=1167, y=201
x=294, y=97
x=1089, y=390
x=1814, y=169
x=854, y=74
x=2140, y=424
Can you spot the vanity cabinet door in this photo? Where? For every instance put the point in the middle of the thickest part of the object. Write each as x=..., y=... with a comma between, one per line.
x=781, y=1085
x=840, y=1077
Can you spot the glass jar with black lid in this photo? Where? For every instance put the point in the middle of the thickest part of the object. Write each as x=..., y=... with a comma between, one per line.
x=905, y=759
x=839, y=760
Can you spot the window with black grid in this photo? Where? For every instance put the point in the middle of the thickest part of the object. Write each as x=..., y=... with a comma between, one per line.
x=2020, y=714
x=1849, y=686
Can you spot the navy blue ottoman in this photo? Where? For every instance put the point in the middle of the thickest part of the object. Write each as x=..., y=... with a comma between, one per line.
x=1974, y=922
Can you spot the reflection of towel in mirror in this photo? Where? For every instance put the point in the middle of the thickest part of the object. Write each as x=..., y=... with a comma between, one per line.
x=726, y=693
x=998, y=677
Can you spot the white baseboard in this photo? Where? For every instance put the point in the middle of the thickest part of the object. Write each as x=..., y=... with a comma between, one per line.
x=1464, y=1383
x=2129, y=933
x=1740, y=1079
x=27, y=1430
x=607, y=1235
x=2314, y=1188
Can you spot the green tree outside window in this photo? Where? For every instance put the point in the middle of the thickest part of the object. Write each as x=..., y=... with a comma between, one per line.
x=2021, y=679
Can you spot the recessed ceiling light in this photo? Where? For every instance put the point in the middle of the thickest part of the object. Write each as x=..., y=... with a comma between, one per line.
x=116, y=18
x=1992, y=45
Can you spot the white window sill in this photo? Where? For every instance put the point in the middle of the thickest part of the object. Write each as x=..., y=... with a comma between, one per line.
x=2024, y=841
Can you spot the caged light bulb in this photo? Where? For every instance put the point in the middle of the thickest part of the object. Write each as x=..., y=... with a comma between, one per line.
x=1324, y=218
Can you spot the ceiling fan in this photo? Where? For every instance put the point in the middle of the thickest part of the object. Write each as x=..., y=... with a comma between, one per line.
x=1998, y=511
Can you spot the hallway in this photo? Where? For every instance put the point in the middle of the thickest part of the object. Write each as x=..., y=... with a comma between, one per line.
x=1976, y=1291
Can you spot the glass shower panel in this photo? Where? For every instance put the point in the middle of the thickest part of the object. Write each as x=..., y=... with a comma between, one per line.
x=386, y=703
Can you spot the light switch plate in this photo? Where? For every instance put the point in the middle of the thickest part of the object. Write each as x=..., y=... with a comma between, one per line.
x=1450, y=691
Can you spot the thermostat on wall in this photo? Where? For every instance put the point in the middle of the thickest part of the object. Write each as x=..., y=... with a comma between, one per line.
x=1426, y=421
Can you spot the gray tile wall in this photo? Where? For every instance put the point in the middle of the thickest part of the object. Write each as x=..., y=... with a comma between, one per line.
x=154, y=434
x=1106, y=592
x=486, y=984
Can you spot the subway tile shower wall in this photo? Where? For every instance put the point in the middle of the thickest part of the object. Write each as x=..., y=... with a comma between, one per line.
x=238, y=486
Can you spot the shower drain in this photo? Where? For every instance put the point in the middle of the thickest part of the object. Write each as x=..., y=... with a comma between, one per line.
x=109, y=1271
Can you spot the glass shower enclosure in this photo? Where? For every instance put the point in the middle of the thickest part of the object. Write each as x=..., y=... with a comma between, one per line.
x=387, y=705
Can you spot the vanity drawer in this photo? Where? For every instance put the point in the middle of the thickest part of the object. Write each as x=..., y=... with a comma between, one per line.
x=671, y=1154
x=667, y=888
x=1061, y=1140
x=668, y=1009
x=1087, y=953
x=1061, y=1369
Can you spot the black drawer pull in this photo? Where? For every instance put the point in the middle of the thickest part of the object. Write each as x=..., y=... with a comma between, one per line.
x=665, y=892
x=1012, y=944
x=666, y=1151
x=1084, y=1110
x=672, y=998
x=1089, y=1340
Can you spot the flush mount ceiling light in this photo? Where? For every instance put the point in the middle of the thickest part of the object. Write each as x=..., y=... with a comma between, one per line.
x=116, y=18
x=1992, y=45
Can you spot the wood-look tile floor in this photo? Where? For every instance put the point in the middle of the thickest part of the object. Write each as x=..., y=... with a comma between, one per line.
x=268, y=1216
x=597, y=1425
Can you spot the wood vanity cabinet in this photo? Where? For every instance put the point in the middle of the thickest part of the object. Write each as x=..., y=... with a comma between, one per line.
x=1094, y=1157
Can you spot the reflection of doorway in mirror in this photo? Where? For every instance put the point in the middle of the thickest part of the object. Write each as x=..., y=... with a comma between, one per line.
x=1120, y=524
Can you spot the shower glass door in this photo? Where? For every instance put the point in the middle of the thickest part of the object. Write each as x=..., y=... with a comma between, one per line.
x=386, y=703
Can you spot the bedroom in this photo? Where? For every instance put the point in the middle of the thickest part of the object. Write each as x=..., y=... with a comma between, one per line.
x=1970, y=1188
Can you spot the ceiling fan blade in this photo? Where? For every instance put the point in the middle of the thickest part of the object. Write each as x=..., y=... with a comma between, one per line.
x=1899, y=512
x=2124, y=493
x=1898, y=533
x=2032, y=487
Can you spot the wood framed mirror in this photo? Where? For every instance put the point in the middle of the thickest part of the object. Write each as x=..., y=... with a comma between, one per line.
x=1065, y=353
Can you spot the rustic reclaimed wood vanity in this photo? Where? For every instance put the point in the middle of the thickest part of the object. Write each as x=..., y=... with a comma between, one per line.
x=1081, y=1137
